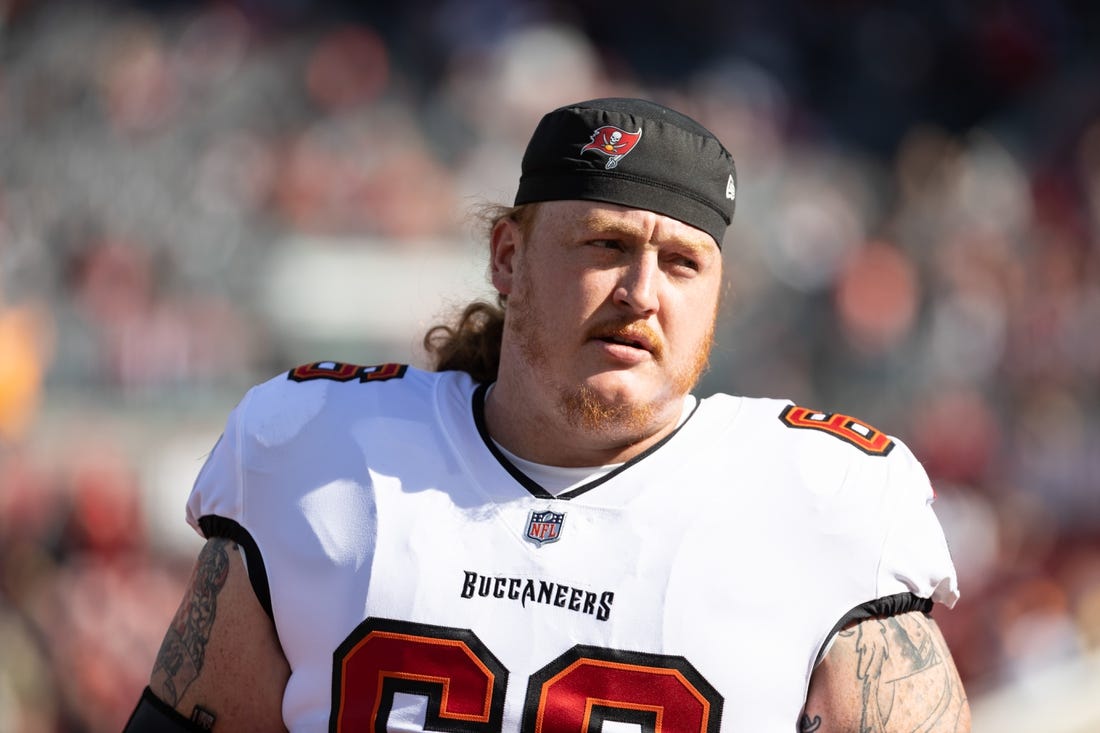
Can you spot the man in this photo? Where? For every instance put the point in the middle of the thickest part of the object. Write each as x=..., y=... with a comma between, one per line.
x=550, y=534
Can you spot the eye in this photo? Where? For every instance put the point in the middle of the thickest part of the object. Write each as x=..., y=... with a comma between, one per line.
x=684, y=262
x=613, y=244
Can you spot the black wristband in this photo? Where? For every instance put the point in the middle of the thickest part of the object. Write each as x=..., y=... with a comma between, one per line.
x=153, y=715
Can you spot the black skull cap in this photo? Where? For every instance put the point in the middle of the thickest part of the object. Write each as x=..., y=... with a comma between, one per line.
x=635, y=153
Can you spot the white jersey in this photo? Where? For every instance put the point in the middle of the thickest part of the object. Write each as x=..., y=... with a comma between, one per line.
x=418, y=580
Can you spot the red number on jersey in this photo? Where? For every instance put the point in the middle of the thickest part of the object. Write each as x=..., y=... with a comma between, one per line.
x=463, y=681
x=465, y=685
x=339, y=372
x=586, y=686
x=848, y=429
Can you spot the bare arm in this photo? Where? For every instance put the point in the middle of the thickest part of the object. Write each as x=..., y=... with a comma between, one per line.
x=888, y=675
x=220, y=663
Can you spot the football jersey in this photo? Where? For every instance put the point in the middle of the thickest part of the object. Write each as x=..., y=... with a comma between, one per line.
x=418, y=580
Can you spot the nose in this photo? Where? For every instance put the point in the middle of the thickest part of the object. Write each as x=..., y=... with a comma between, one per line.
x=638, y=287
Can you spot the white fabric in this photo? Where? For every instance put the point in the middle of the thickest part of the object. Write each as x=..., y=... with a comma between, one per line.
x=735, y=546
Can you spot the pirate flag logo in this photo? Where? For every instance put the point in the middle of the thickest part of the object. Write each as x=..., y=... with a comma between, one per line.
x=613, y=142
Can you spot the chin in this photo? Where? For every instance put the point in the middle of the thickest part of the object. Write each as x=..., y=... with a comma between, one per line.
x=611, y=404
x=620, y=387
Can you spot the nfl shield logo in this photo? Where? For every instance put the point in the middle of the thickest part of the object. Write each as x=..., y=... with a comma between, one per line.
x=543, y=527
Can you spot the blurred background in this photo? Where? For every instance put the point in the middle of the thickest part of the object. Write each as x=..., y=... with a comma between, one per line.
x=195, y=196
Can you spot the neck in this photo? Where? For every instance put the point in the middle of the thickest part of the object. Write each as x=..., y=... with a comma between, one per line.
x=533, y=425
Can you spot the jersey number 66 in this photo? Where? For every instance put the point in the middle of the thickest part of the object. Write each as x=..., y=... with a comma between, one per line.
x=465, y=684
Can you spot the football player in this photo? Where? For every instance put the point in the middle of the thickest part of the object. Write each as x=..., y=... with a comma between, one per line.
x=549, y=532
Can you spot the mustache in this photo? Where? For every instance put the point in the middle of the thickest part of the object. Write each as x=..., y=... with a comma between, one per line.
x=630, y=330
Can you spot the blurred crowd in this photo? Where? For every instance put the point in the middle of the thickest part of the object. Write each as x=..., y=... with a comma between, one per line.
x=917, y=242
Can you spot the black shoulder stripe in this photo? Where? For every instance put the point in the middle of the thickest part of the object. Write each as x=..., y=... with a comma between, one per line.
x=214, y=526
x=884, y=607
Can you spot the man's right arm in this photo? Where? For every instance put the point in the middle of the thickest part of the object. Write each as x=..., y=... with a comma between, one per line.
x=221, y=665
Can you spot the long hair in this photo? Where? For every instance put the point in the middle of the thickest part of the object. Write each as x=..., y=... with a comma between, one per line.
x=471, y=343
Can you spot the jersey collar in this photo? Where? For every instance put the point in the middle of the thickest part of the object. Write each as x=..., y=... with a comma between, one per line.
x=532, y=486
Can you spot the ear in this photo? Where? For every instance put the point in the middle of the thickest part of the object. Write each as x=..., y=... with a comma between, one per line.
x=504, y=241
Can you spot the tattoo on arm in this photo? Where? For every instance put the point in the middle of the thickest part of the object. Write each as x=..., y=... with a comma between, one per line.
x=901, y=661
x=808, y=724
x=183, y=651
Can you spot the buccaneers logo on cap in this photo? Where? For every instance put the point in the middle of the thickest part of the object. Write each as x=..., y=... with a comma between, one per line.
x=613, y=142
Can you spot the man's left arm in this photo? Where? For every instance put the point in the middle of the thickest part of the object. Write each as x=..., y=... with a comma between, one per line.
x=887, y=675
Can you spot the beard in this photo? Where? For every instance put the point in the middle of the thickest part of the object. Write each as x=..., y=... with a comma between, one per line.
x=583, y=406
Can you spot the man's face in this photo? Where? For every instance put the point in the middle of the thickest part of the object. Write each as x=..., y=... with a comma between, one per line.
x=610, y=311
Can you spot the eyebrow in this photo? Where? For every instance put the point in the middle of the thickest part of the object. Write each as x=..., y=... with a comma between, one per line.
x=601, y=223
